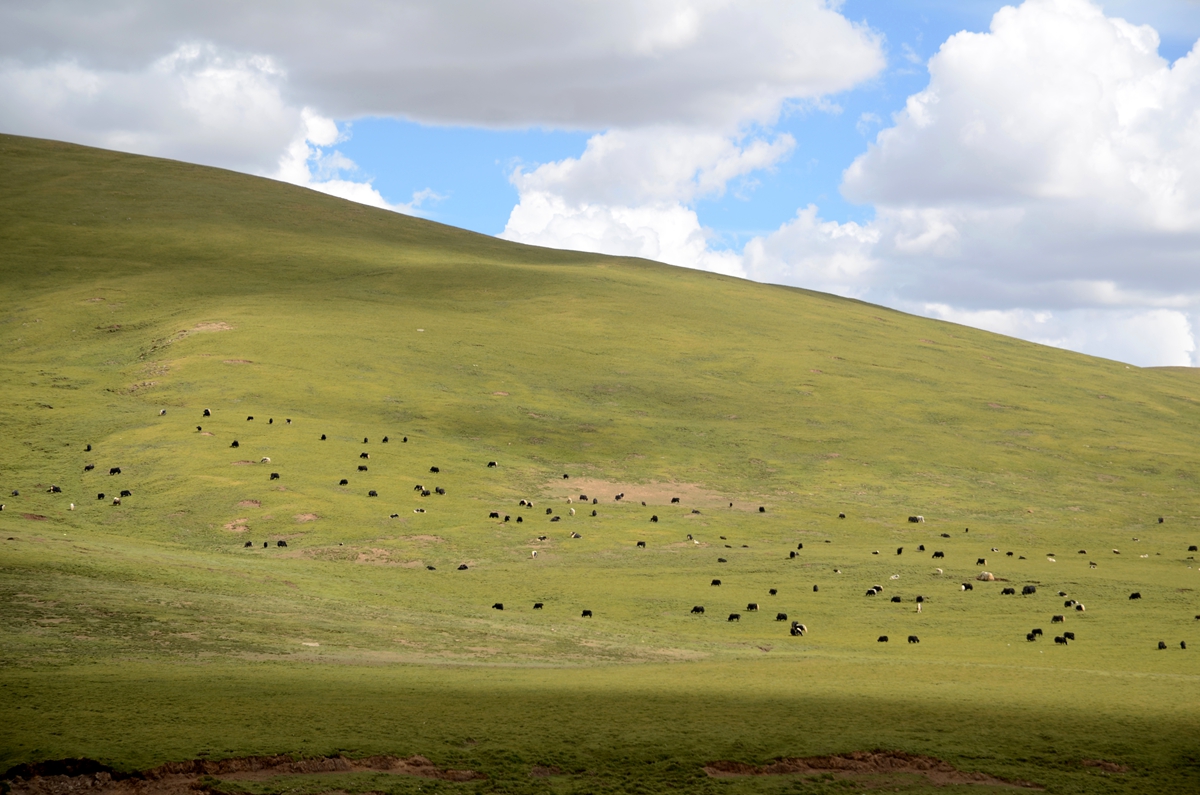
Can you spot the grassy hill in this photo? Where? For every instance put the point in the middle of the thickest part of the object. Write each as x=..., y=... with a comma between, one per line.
x=149, y=632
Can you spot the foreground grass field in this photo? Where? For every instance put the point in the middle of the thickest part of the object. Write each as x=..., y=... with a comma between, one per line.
x=148, y=632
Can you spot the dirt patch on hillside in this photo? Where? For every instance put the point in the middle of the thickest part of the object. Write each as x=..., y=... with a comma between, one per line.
x=1109, y=767
x=33, y=517
x=864, y=764
x=306, y=517
x=68, y=776
x=249, y=504
x=237, y=526
x=203, y=327
x=237, y=361
x=691, y=495
x=241, y=463
x=437, y=539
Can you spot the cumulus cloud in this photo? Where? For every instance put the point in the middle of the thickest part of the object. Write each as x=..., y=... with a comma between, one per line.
x=623, y=63
x=1149, y=338
x=1057, y=154
x=197, y=103
x=630, y=193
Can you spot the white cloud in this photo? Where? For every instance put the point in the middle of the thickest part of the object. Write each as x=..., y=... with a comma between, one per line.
x=817, y=254
x=1150, y=338
x=629, y=193
x=197, y=103
x=622, y=63
x=1058, y=149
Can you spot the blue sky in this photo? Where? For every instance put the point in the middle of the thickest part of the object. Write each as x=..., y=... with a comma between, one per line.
x=470, y=166
x=1032, y=169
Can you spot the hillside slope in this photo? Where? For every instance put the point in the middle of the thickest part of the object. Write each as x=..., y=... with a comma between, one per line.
x=135, y=285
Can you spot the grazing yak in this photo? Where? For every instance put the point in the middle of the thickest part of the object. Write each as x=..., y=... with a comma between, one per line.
x=718, y=582
x=654, y=518
x=207, y=413
x=89, y=467
x=797, y=629
x=274, y=476
x=1008, y=591
x=126, y=493
x=491, y=463
x=364, y=455
x=913, y=639
x=773, y=591
x=734, y=617
x=322, y=437
x=343, y=482
x=1162, y=645
x=762, y=509
x=1135, y=595
x=537, y=605
x=896, y=599
x=494, y=515
x=674, y=500
x=281, y=543
x=752, y=607
x=1069, y=635
x=372, y=493
x=1028, y=590
x=248, y=544
x=498, y=606
x=235, y=443
x=1058, y=619
x=114, y=471
x=435, y=470
x=939, y=554
x=916, y=519
x=882, y=639
x=585, y=613
x=781, y=616
x=698, y=609
x=462, y=567
x=641, y=544
x=1060, y=640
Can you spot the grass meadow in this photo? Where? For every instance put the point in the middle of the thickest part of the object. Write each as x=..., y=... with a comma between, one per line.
x=147, y=632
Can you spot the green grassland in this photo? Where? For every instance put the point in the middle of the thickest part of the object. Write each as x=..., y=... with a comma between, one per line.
x=147, y=632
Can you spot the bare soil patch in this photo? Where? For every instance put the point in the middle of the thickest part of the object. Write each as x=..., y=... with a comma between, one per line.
x=249, y=504
x=33, y=517
x=1110, y=767
x=68, y=776
x=241, y=463
x=205, y=433
x=237, y=361
x=237, y=526
x=691, y=495
x=859, y=764
x=217, y=326
x=438, y=539
x=306, y=517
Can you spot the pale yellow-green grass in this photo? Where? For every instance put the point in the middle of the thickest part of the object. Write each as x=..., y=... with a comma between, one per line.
x=147, y=632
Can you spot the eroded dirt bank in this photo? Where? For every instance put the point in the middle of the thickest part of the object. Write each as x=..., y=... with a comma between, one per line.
x=69, y=776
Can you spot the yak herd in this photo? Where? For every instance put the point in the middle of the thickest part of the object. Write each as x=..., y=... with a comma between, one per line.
x=795, y=628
